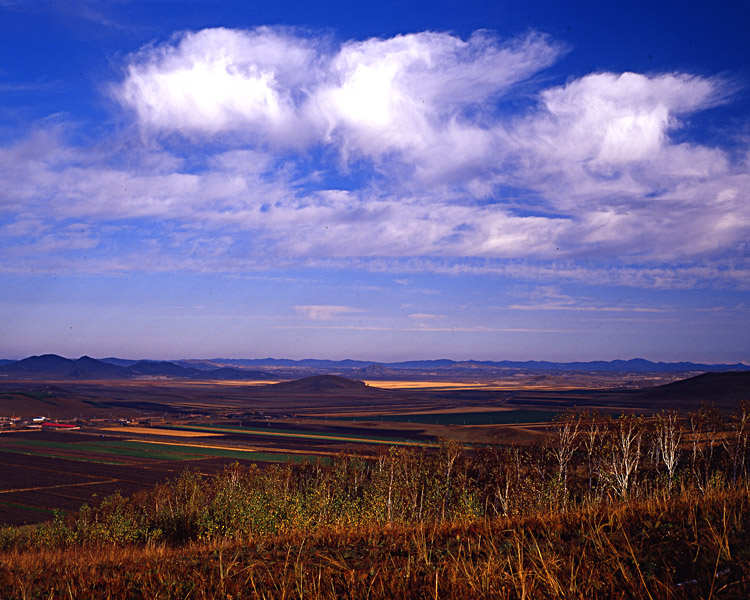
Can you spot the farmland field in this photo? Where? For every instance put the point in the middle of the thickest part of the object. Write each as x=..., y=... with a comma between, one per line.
x=112, y=398
x=208, y=425
x=32, y=484
x=43, y=471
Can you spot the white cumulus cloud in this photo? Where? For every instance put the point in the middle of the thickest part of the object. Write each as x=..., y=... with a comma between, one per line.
x=410, y=94
x=218, y=80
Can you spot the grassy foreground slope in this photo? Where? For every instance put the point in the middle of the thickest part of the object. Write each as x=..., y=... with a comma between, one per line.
x=686, y=546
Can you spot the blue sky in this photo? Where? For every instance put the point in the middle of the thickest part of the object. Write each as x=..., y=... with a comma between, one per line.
x=375, y=180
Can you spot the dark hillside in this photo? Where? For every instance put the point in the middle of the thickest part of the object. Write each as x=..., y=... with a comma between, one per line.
x=725, y=390
x=322, y=383
x=51, y=366
x=163, y=368
x=32, y=364
x=90, y=368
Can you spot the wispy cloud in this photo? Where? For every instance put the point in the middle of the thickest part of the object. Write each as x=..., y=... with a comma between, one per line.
x=585, y=308
x=101, y=13
x=9, y=87
x=425, y=316
x=454, y=329
x=550, y=298
x=324, y=312
x=412, y=125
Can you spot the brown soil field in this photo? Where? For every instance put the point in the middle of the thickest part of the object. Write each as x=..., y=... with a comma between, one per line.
x=71, y=497
x=60, y=437
x=32, y=486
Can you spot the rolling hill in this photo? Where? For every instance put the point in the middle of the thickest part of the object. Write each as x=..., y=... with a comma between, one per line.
x=322, y=383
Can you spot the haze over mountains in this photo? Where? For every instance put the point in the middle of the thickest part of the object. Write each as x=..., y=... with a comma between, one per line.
x=51, y=366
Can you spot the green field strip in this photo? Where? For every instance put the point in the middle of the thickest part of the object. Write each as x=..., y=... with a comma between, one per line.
x=298, y=435
x=139, y=450
x=192, y=452
x=157, y=451
x=99, y=448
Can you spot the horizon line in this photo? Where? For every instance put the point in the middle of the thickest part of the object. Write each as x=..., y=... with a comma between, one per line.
x=386, y=362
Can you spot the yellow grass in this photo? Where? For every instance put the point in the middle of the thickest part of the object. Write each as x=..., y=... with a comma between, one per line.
x=157, y=431
x=398, y=385
x=498, y=386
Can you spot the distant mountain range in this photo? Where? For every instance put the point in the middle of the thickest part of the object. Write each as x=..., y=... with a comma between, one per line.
x=51, y=366
x=635, y=365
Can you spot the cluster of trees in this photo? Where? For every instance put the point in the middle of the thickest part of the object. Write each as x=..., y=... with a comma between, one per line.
x=587, y=457
x=641, y=455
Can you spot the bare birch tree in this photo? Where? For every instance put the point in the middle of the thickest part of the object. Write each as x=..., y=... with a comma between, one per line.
x=626, y=452
x=566, y=443
x=667, y=437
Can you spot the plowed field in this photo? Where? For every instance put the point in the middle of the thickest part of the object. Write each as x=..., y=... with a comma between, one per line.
x=43, y=471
